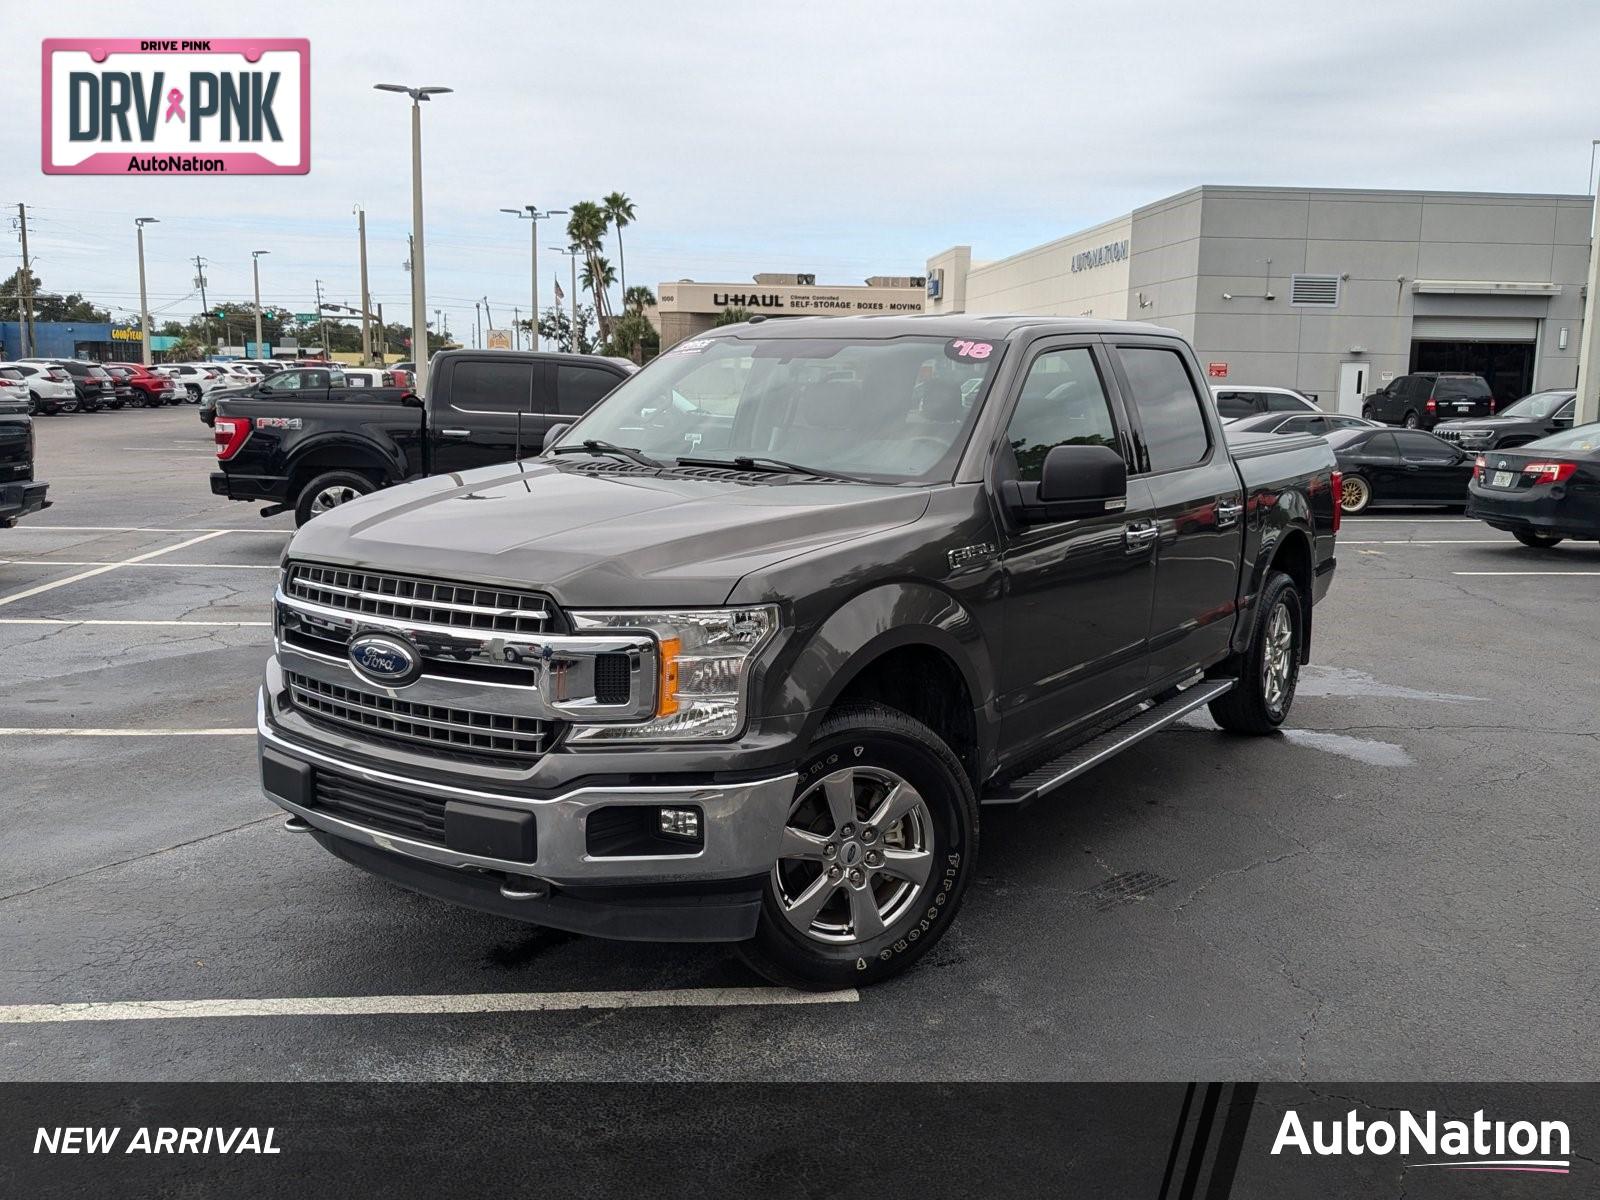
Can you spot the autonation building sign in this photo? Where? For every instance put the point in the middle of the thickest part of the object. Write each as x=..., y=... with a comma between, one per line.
x=1099, y=256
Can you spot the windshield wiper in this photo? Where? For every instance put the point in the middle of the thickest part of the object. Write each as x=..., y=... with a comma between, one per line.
x=761, y=462
x=593, y=446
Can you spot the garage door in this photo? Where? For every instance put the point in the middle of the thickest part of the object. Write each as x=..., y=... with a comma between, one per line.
x=1475, y=329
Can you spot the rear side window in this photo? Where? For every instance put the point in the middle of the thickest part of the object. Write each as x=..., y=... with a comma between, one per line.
x=1235, y=404
x=1174, y=427
x=492, y=387
x=1063, y=403
x=1282, y=402
x=1420, y=445
x=578, y=389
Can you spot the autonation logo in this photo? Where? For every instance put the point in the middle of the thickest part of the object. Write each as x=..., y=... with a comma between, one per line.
x=1479, y=1145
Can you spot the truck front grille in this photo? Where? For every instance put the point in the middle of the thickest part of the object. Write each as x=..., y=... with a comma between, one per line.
x=454, y=732
x=424, y=601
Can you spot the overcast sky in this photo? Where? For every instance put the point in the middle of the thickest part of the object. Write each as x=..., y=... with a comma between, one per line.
x=843, y=138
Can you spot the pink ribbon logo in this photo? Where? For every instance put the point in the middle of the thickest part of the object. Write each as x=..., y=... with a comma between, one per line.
x=175, y=105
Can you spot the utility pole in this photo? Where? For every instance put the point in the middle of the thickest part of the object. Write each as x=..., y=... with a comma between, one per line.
x=200, y=282
x=488, y=317
x=516, y=328
x=322, y=323
x=1589, y=349
x=477, y=325
x=30, y=335
x=383, y=340
x=366, y=298
x=144, y=302
x=255, y=267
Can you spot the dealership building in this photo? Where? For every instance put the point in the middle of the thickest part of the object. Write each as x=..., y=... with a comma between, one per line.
x=687, y=307
x=1330, y=291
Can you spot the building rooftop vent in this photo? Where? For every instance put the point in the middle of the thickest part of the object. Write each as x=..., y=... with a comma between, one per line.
x=1314, y=291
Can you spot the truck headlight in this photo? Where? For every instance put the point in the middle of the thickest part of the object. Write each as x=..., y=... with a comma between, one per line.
x=705, y=656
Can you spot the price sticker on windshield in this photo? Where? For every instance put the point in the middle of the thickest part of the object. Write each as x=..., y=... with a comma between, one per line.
x=963, y=350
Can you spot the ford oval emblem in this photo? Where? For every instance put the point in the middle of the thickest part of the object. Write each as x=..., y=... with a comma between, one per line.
x=386, y=660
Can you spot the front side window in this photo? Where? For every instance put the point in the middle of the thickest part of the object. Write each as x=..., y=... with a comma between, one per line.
x=491, y=387
x=1169, y=411
x=1063, y=403
x=1421, y=445
x=1284, y=402
x=1235, y=404
x=285, y=381
x=894, y=409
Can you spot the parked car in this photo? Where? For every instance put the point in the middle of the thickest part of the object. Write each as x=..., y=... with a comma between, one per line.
x=90, y=381
x=1542, y=492
x=197, y=380
x=1398, y=466
x=309, y=451
x=1422, y=400
x=1520, y=422
x=49, y=387
x=20, y=492
x=375, y=377
x=145, y=386
x=237, y=374
x=1318, y=423
x=299, y=383
x=743, y=671
x=1243, y=401
x=14, y=386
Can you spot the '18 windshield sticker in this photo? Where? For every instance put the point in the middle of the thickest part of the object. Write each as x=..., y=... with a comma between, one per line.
x=965, y=351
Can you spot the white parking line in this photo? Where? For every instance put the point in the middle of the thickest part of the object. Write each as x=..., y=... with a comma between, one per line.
x=1412, y=520
x=62, y=562
x=82, y=575
x=95, y=621
x=1481, y=573
x=1428, y=542
x=46, y=731
x=366, y=1006
x=134, y=529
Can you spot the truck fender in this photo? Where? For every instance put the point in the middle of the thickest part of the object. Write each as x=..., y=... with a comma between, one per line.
x=355, y=452
x=1285, y=544
x=885, y=618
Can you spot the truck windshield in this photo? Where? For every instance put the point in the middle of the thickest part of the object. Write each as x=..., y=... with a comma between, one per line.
x=894, y=410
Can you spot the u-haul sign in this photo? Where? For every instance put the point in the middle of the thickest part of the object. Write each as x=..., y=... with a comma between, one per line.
x=212, y=106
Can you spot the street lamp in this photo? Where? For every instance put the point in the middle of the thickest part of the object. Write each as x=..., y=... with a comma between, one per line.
x=572, y=255
x=255, y=267
x=535, y=215
x=144, y=302
x=419, y=291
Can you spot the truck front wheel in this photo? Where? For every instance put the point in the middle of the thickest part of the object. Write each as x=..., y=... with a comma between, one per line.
x=1270, y=670
x=330, y=491
x=880, y=842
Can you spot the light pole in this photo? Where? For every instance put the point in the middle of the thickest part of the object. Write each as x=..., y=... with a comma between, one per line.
x=255, y=268
x=572, y=256
x=534, y=215
x=366, y=298
x=144, y=302
x=419, y=291
x=1588, y=405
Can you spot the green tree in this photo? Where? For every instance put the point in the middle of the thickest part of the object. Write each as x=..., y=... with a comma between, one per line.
x=606, y=275
x=47, y=306
x=731, y=316
x=620, y=209
x=555, y=325
x=632, y=336
x=638, y=298
x=586, y=229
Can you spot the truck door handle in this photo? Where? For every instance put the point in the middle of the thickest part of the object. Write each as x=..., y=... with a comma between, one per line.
x=1228, y=511
x=455, y=433
x=1138, y=535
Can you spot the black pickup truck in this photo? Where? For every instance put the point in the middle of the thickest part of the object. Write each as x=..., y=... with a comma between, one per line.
x=741, y=654
x=312, y=448
x=20, y=492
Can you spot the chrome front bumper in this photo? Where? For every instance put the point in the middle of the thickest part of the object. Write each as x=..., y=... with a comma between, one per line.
x=743, y=822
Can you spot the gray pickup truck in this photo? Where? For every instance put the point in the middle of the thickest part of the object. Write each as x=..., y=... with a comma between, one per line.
x=740, y=655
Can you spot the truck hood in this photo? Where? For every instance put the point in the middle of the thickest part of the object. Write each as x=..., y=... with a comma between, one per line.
x=600, y=540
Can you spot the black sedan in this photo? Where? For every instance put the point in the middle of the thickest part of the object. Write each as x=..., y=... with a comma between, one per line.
x=1534, y=416
x=1288, y=422
x=1544, y=492
x=1398, y=466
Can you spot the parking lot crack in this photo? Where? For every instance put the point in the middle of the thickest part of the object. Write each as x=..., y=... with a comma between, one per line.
x=1244, y=870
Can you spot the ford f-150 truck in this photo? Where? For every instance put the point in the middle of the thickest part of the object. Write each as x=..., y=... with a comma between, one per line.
x=739, y=656
x=20, y=492
x=302, y=441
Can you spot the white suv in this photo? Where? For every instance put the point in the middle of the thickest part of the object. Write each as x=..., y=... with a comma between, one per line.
x=198, y=380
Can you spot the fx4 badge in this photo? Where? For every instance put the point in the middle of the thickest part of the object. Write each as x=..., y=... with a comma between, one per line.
x=277, y=422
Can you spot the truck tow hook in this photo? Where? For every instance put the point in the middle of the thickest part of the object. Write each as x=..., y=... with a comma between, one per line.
x=297, y=825
x=523, y=887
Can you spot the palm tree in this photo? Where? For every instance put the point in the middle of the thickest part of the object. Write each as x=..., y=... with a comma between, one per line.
x=598, y=271
x=637, y=298
x=620, y=211
x=586, y=227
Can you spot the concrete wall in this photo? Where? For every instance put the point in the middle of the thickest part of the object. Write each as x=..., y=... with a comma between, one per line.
x=954, y=264
x=1382, y=243
x=1041, y=280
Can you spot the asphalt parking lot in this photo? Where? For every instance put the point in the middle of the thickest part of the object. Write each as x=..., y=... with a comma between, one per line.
x=1403, y=886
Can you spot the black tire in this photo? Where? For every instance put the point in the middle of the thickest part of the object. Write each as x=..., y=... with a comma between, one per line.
x=1355, y=494
x=1412, y=421
x=311, y=496
x=1251, y=707
x=871, y=738
x=69, y=406
x=1535, y=540
x=193, y=393
x=1366, y=412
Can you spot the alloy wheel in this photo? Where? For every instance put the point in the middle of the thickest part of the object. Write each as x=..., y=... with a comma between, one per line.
x=856, y=855
x=332, y=497
x=1354, y=494
x=1277, y=659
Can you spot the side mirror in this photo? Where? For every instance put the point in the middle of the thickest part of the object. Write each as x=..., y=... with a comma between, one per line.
x=1077, y=481
x=553, y=435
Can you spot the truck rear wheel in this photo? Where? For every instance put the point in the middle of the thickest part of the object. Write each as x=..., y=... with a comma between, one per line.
x=1260, y=700
x=329, y=491
x=880, y=843
x=1537, y=539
